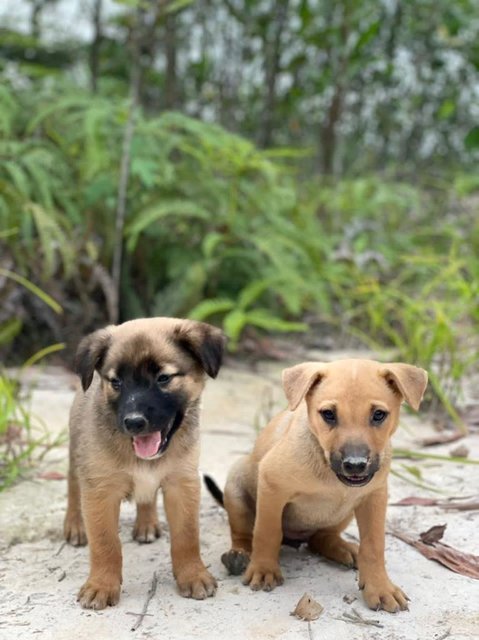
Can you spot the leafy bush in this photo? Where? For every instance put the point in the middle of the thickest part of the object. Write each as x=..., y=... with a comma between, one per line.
x=222, y=231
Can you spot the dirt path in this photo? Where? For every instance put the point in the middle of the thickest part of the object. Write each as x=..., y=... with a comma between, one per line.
x=39, y=576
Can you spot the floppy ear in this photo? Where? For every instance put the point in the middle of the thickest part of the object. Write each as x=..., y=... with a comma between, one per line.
x=91, y=353
x=205, y=343
x=298, y=380
x=410, y=382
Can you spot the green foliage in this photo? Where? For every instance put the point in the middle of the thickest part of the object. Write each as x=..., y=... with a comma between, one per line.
x=22, y=442
x=220, y=230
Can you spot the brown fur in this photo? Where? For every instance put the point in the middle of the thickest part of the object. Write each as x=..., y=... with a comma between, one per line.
x=287, y=488
x=104, y=468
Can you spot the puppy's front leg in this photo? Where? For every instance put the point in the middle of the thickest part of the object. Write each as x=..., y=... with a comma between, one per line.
x=101, y=509
x=181, y=496
x=379, y=591
x=263, y=571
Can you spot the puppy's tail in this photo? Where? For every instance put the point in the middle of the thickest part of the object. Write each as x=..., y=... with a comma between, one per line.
x=214, y=489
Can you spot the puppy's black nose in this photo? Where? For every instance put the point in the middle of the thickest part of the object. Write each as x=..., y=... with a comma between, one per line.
x=354, y=465
x=134, y=423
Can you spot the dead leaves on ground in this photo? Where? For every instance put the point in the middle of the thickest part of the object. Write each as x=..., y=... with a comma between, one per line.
x=448, y=505
x=430, y=546
x=440, y=438
x=307, y=608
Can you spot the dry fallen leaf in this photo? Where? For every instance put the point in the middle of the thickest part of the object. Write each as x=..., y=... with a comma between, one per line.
x=434, y=502
x=52, y=475
x=466, y=564
x=307, y=608
x=415, y=500
x=461, y=506
x=440, y=438
x=434, y=534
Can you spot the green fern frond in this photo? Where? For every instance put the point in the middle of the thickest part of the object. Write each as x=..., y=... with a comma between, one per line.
x=211, y=307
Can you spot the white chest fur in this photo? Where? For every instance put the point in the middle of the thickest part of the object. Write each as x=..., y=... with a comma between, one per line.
x=146, y=481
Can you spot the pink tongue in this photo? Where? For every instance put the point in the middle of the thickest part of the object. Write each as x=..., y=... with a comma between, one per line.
x=147, y=446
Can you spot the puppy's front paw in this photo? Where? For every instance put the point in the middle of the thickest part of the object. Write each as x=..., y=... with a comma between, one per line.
x=74, y=530
x=197, y=583
x=146, y=532
x=384, y=595
x=236, y=561
x=264, y=576
x=99, y=594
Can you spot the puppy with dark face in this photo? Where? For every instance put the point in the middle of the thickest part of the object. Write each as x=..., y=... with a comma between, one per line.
x=317, y=465
x=134, y=428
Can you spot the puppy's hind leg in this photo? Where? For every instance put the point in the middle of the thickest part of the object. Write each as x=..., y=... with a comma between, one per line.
x=73, y=526
x=241, y=521
x=329, y=543
x=147, y=526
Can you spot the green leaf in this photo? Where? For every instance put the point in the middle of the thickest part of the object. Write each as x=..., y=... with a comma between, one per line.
x=264, y=319
x=211, y=307
x=177, y=5
x=39, y=355
x=471, y=141
x=9, y=329
x=152, y=215
x=253, y=291
x=233, y=324
x=48, y=300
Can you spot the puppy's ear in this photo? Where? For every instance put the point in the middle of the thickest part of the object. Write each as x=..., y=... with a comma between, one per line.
x=298, y=380
x=91, y=353
x=408, y=381
x=205, y=343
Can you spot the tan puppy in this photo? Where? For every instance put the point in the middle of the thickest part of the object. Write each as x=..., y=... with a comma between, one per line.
x=316, y=466
x=134, y=428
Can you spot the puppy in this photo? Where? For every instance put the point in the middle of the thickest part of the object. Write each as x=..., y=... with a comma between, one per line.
x=134, y=428
x=317, y=465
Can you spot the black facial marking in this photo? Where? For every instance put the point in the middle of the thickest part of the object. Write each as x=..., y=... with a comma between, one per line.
x=144, y=406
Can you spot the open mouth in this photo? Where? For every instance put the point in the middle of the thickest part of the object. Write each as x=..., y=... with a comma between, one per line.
x=153, y=445
x=355, y=481
x=148, y=446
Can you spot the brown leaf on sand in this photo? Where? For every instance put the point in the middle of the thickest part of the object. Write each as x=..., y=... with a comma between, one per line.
x=434, y=534
x=52, y=475
x=434, y=502
x=415, y=500
x=466, y=564
x=307, y=608
x=440, y=438
x=462, y=506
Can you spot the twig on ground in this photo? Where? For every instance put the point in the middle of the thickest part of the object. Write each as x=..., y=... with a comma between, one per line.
x=310, y=631
x=149, y=596
x=60, y=549
x=357, y=618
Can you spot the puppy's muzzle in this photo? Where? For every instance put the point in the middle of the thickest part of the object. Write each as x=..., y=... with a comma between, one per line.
x=147, y=444
x=135, y=423
x=354, y=466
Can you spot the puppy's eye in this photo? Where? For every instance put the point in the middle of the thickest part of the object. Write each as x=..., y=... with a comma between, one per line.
x=378, y=417
x=115, y=383
x=163, y=379
x=329, y=416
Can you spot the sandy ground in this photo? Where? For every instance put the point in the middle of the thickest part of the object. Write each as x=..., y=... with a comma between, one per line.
x=39, y=576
